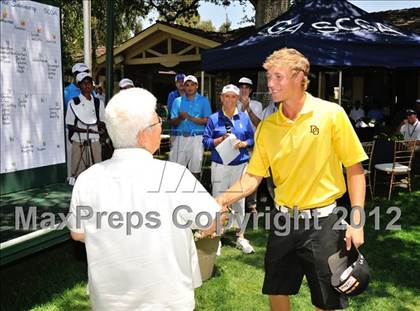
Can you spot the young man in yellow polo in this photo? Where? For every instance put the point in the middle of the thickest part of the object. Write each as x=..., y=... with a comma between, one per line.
x=304, y=144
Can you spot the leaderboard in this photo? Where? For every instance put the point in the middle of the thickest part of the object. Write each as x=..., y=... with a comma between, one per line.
x=31, y=86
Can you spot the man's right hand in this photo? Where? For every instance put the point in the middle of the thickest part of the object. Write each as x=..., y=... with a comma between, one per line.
x=221, y=220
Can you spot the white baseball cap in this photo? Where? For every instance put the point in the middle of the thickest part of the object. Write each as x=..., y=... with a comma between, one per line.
x=79, y=67
x=191, y=78
x=126, y=82
x=83, y=75
x=245, y=80
x=230, y=88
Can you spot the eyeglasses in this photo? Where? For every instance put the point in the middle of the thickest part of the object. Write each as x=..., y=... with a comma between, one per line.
x=152, y=125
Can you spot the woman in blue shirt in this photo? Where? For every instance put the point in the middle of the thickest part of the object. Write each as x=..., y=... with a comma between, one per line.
x=225, y=122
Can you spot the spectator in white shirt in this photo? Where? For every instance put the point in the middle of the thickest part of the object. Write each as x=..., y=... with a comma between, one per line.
x=100, y=92
x=132, y=207
x=126, y=84
x=251, y=107
x=84, y=117
x=411, y=128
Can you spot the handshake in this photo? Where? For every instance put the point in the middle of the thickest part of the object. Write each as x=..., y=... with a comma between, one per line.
x=219, y=222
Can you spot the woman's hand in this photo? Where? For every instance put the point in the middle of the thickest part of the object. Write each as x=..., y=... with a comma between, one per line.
x=219, y=140
x=241, y=144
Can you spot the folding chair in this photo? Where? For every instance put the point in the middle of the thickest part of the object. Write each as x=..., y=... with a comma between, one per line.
x=367, y=165
x=165, y=142
x=401, y=165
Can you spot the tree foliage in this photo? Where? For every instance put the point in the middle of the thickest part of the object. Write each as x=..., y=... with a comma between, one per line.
x=226, y=26
x=195, y=22
x=126, y=22
x=127, y=19
x=206, y=26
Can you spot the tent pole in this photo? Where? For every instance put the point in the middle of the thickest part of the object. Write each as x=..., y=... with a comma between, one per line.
x=109, y=49
x=209, y=94
x=202, y=83
x=340, y=86
x=87, y=35
x=319, y=83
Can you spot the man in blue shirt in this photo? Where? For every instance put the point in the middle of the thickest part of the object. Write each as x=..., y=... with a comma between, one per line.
x=179, y=83
x=189, y=114
x=72, y=90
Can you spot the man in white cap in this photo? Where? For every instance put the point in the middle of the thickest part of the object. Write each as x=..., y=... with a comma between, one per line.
x=145, y=258
x=72, y=90
x=189, y=114
x=125, y=84
x=253, y=109
x=83, y=120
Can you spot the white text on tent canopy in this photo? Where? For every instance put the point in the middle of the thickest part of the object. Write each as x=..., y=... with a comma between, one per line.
x=348, y=24
x=343, y=24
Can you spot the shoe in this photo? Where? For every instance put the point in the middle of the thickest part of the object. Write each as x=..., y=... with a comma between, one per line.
x=243, y=244
x=71, y=181
x=253, y=208
x=219, y=249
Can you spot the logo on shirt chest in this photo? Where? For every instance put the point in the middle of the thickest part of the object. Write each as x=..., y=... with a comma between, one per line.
x=314, y=129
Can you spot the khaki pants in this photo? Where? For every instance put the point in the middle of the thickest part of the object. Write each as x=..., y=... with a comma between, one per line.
x=79, y=161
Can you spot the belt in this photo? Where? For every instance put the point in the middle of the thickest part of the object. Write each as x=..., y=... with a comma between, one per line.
x=190, y=134
x=321, y=212
x=92, y=140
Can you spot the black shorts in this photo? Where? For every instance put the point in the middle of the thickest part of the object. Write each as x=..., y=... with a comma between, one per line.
x=303, y=252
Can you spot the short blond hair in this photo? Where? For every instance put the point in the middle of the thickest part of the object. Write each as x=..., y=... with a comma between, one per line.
x=292, y=59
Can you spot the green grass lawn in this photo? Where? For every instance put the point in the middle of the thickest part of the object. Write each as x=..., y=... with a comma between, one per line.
x=56, y=279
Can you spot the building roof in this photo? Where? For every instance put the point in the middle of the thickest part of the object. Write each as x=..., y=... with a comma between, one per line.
x=220, y=37
x=162, y=43
x=406, y=19
x=211, y=35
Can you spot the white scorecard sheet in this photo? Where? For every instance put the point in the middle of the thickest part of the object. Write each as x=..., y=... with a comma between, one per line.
x=227, y=150
x=31, y=88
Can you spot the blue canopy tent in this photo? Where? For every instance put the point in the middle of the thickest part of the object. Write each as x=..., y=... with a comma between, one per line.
x=328, y=32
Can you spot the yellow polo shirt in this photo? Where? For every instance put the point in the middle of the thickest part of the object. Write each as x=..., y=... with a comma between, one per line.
x=306, y=155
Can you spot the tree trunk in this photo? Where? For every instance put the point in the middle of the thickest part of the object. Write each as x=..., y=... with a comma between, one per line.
x=267, y=10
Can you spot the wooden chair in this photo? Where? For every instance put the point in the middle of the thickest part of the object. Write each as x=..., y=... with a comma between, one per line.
x=165, y=143
x=401, y=166
x=369, y=148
